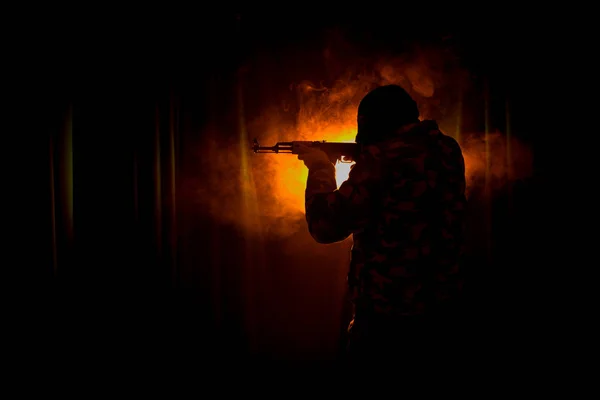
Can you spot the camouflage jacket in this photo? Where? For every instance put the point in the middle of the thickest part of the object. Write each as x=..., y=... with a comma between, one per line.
x=404, y=203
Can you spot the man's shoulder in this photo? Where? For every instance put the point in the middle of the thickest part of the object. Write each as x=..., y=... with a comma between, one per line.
x=440, y=138
x=448, y=141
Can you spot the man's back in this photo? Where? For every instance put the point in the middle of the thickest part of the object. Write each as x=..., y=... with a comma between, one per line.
x=404, y=204
x=405, y=261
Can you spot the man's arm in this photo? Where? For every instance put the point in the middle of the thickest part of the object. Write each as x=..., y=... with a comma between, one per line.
x=333, y=214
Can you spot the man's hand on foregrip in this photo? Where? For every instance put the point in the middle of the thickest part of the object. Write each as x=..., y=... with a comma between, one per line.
x=312, y=157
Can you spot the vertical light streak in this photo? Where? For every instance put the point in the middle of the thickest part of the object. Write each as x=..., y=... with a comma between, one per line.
x=487, y=183
x=459, y=112
x=509, y=155
x=53, y=208
x=157, y=185
x=173, y=188
x=67, y=174
x=254, y=243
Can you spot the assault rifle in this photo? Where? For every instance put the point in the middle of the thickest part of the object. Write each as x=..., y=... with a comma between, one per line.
x=343, y=151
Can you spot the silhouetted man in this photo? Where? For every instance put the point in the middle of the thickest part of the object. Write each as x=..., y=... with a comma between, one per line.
x=404, y=203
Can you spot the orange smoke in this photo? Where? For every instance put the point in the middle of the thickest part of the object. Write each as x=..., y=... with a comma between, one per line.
x=272, y=185
x=290, y=173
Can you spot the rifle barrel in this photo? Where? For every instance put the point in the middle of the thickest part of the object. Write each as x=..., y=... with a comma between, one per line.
x=281, y=147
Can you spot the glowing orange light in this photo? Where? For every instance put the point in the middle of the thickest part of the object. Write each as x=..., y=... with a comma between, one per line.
x=291, y=173
x=341, y=172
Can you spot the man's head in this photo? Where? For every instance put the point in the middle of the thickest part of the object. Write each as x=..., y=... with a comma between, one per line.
x=383, y=111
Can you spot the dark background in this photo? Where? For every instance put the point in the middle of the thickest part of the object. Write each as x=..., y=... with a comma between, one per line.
x=142, y=273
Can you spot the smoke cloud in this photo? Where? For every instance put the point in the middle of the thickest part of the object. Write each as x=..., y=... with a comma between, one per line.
x=264, y=193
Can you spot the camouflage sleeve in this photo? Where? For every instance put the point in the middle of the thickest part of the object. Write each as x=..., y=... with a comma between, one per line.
x=333, y=214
